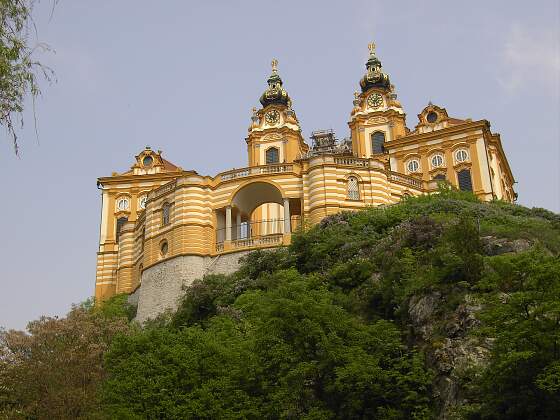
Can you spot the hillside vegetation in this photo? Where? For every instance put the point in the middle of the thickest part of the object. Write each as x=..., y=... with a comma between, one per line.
x=437, y=307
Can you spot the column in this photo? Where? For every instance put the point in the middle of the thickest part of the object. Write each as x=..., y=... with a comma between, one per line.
x=287, y=224
x=228, y=223
x=238, y=225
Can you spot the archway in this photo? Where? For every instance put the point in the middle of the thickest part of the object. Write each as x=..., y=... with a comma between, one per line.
x=256, y=210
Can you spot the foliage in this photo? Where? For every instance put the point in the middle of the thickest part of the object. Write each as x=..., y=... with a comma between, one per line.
x=293, y=353
x=324, y=329
x=522, y=316
x=54, y=370
x=18, y=69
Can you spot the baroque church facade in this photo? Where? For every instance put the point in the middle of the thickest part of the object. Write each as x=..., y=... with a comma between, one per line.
x=160, y=221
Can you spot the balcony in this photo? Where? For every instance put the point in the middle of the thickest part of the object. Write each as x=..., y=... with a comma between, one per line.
x=255, y=234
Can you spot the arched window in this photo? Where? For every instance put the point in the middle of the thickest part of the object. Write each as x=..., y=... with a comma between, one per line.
x=120, y=223
x=377, y=142
x=439, y=177
x=352, y=188
x=272, y=155
x=464, y=178
x=165, y=214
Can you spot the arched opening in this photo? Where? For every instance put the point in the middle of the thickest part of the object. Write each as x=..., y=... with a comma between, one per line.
x=257, y=214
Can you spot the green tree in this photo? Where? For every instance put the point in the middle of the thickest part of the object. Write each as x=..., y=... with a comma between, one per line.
x=289, y=352
x=522, y=317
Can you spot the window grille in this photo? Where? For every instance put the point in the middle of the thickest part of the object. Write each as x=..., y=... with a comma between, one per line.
x=353, y=189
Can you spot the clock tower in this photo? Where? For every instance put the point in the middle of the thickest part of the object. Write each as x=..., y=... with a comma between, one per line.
x=377, y=117
x=274, y=133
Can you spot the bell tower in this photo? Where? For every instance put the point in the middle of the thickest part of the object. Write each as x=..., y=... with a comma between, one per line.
x=377, y=117
x=274, y=133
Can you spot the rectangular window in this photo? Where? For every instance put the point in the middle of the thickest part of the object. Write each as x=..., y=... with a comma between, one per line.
x=464, y=178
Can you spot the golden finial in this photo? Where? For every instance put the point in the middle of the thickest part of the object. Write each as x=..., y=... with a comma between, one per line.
x=356, y=95
x=274, y=64
x=371, y=47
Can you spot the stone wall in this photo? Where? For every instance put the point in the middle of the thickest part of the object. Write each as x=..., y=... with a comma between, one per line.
x=162, y=284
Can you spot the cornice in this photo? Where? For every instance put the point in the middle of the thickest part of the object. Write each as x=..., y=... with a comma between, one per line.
x=415, y=138
x=120, y=179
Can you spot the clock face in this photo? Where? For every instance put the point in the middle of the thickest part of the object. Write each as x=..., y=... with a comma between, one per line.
x=272, y=117
x=374, y=100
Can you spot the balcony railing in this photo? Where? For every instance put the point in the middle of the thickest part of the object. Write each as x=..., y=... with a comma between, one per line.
x=164, y=189
x=256, y=233
x=405, y=179
x=256, y=170
x=351, y=161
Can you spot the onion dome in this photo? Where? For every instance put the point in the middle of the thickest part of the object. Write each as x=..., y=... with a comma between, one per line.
x=374, y=76
x=275, y=94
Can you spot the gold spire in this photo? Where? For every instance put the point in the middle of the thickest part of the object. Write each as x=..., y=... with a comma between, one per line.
x=274, y=64
x=371, y=47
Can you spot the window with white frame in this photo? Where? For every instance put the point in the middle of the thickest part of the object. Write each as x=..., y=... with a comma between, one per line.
x=461, y=155
x=437, y=160
x=352, y=188
x=413, y=165
x=122, y=204
x=142, y=201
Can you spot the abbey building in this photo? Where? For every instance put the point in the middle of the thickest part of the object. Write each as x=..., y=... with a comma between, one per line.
x=160, y=223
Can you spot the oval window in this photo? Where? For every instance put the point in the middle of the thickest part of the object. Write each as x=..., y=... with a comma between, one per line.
x=461, y=155
x=147, y=161
x=431, y=117
x=437, y=161
x=164, y=248
x=143, y=201
x=413, y=166
x=122, y=204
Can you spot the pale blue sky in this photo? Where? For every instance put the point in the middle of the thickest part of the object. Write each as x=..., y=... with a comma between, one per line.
x=183, y=76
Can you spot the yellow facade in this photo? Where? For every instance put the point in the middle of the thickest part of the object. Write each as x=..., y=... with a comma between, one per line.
x=165, y=211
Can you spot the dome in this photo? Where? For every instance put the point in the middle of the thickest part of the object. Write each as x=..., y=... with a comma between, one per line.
x=275, y=93
x=374, y=76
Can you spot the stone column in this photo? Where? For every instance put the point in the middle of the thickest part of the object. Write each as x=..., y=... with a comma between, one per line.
x=238, y=225
x=228, y=223
x=287, y=222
